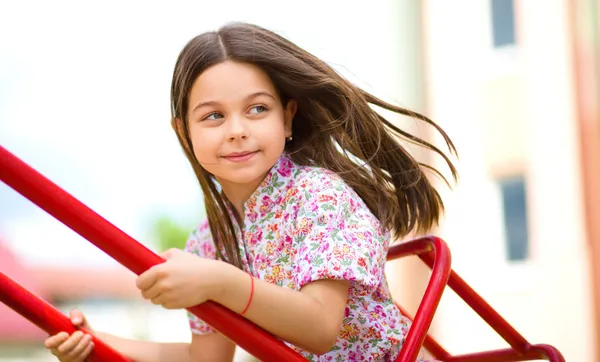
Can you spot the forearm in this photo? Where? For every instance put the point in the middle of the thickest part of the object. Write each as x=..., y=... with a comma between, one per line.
x=142, y=351
x=296, y=317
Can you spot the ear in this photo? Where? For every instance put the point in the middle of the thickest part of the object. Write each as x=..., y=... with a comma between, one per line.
x=289, y=112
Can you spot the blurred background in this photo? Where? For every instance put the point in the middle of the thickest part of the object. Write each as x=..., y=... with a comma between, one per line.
x=84, y=99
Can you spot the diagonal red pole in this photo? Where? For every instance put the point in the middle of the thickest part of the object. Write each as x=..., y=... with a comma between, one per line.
x=131, y=254
x=48, y=318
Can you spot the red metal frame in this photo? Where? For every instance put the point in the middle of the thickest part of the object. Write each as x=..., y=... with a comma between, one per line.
x=131, y=254
x=136, y=257
x=48, y=318
x=435, y=253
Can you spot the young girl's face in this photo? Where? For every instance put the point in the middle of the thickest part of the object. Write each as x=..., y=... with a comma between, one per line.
x=238, y=125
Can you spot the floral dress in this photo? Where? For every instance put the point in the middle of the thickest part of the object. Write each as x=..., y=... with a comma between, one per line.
x=304, y=224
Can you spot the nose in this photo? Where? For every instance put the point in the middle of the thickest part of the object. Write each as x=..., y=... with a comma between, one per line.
x=238, y=129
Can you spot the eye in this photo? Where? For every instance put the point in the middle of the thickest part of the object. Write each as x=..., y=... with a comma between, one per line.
x=258, y=109
x=213, y=116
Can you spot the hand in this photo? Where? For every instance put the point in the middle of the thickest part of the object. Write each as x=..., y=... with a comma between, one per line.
x=183, y=281
x=74, y=348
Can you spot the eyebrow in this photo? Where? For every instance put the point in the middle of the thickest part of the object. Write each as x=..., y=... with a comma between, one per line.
x=247, y=98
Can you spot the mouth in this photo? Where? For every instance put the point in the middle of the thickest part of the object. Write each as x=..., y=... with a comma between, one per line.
x=240, y=156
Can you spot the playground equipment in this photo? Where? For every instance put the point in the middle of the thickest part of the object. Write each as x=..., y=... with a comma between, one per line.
x=137, y=258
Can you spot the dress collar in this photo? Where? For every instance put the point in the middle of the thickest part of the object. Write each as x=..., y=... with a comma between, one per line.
x=271, y=190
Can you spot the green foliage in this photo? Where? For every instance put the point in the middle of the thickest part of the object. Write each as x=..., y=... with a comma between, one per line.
x=170, y=233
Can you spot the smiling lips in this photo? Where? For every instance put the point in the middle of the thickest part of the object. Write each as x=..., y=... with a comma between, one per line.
x=240, y=156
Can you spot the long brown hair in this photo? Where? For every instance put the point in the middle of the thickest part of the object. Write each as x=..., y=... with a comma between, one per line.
x=334, y=128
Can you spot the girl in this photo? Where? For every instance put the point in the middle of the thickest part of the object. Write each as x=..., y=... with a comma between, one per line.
x=305, y=185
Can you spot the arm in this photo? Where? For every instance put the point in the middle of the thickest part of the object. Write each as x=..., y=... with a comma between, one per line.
x=142, y=351
x=310, y=318
x=337, y=246
x=208, y=347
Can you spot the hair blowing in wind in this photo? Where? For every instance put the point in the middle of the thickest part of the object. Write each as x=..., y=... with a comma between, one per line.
x=335, y=127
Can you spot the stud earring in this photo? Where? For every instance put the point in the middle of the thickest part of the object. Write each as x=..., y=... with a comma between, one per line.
x=289, y=139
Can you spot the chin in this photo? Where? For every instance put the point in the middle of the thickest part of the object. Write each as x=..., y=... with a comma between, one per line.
x=244, y=178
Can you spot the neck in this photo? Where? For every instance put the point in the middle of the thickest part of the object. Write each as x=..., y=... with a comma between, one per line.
x=238, y=194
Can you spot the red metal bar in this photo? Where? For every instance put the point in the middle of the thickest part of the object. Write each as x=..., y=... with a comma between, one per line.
x=48, y=318
x=431, y=299
x=521, y=349
x=533, y=352
x=131, y=254
x=429, y=343
x=485, y=311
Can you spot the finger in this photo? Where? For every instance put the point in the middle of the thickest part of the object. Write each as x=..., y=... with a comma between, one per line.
x=77, y=352
x=77, y=318
x=56, y=340
x=147, y=279
x=153, y=292
x=88, y=349
x=71, y=343
x=159, y=299
x=169, y=254
x=170, y=305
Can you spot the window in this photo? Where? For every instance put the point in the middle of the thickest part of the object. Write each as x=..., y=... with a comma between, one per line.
x=503, y=22
x=514, y=206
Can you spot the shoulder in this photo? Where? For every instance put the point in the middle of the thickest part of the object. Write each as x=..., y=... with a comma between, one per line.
x=316, y=185
x=200, y=241
x=308, y=177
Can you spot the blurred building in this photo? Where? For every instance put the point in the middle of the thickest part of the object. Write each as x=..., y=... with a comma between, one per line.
x=503, y=78
x=105, y=295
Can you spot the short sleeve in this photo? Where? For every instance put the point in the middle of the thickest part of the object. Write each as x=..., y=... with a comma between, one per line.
x=200, y=243
x=337, y=237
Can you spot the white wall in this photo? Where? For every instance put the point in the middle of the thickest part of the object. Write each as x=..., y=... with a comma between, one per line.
x=546, y=298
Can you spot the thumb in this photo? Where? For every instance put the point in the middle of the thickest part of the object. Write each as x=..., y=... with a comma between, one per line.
x=78, y=319
x=169, y=254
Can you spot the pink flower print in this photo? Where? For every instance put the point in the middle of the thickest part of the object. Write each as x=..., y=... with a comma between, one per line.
x=273, y=228
x=251, y=203
x=208, y=249
x=351, y=237
x=378, y=312
x=349, y=274
x=252, y=217
x=278, y=213
x=325, y=198
x=337, y=267
x=349, y=331
x=394, y=341
x=314, y=207
x=341, y=253
x=324, y=246
x=265, y=205
x=304, y=226
x=256, y=237
x=285, y=167
x=294, y=192
x=203, y=227
x=323, y=219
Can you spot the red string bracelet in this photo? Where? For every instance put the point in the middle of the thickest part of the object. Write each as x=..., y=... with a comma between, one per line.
x=251, y=294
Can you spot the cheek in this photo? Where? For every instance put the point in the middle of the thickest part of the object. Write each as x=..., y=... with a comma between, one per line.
x=273, y=138
x=275, y=131
x=204, y=147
